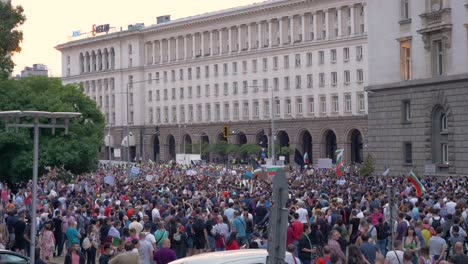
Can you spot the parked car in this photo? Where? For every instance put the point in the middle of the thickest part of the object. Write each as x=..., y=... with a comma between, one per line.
x=243, y=256
x=11, y=257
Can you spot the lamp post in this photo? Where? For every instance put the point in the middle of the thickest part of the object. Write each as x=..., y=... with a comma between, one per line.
x=36, y=116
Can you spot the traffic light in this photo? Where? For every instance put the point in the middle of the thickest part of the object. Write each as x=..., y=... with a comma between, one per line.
x=226, y=131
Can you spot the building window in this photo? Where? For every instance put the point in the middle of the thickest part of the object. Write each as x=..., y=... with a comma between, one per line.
x=286, y=83
x=207, y=91
x=275, y=63
x=323, y=104
x=234, y=88
x=336, y=105
x=256, y=109
x=361, y=103
x=198, y=90
x=404, y=9
x=244, y=66
x=278, y=107
x=298, y=81
x=348, y=104
x=266, y=108
x=173, y=77
x=245, y=87
x=207, y=71
x=299, y=106
x=309, y=81
x=181, y=74
x=216, y=70
x=198, y=72
x=311, y=104
x=225, y=68
x=347, y=77
x=438, y=58
x=297, y=62
x=333, y=55
x=445, y=153
x=346, y=54
x=255, y=86
x=334, y=78
x=276, y=83
x=208, y=112
x=245, y=110
x=157, y=95
x=405, y=60
x=309, y=59
x=288, y=106
x=265, y=64
x=226, y=111
x=189, y=74
x=173, y=93
x=189, y=92
x=286, y=62
x=226, y=89
x=321, y=79
x=358, y=53
x=265, y=85
x=234, y=67
x=407, y=111
x=360, y=75
x=181, y=92
x=443, y=123
x=321, y=57
x=150, y=96
x=408, y=153
x=254, y=65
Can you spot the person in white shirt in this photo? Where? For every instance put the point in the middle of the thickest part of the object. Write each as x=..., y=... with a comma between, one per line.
x=302, y=212
x=450, y=205
x=155, y=213
x=395, y=256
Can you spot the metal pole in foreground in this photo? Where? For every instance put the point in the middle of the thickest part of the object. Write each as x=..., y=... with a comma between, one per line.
x=34, y=190
x=272, y=130
x=128, y=132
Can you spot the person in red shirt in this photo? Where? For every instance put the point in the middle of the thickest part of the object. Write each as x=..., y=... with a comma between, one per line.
x=326, y=256
x=297, y=228
x=231, y=243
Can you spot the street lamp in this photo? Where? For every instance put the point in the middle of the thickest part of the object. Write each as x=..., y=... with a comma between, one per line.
x=36, y=115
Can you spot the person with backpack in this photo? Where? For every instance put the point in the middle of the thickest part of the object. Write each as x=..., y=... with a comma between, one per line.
x=200, y=236
x=436, y=220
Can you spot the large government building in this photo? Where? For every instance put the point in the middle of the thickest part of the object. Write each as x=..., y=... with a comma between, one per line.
x=418, y=86
x=180, y=82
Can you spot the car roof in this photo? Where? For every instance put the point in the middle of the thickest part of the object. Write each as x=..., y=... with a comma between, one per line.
x=225, y=257
x=3, y=251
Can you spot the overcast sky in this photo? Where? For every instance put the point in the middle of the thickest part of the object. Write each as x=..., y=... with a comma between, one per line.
x=51, y=22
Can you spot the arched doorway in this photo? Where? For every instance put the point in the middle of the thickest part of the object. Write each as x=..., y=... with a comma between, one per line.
x=306, y=146
x=356, y=146
x=187, y=144
x=283, y=140
x=241, y=139
x=171, y=147
x=330, y=145
x=205, y=147
x=262, y=140
x=221, y=137
x=156, y=149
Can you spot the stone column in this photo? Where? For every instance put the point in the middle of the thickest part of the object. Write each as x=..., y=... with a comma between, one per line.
x=315, y=25
x=303, y=27
x=249, y=36
x=202, y=44
x=230, y=40
x=239, y=38
x=221, y=44
x=364, y=5
x=281, y=33
x=270, y=33
x=291, y=28
x=352, y=20
x=161, y=50
x=193, y=47
x=177, y=49
x=327, y=24
x=259, y=33
x=340, y=27
x=211, y=43
x=185, y=47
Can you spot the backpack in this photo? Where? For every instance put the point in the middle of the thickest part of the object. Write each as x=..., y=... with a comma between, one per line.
x=86, y=243
x=383, y=231
x=436, y=223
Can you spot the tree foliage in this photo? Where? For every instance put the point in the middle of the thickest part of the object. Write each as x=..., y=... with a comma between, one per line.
x=10, y=37
x=76, y=151
x=368, y=166
x=250, y=149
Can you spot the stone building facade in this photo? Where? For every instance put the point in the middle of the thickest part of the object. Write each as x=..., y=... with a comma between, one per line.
x=178, y=83
x=418, y=86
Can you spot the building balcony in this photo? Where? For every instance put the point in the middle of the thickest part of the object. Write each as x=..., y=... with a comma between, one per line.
x=436, y=22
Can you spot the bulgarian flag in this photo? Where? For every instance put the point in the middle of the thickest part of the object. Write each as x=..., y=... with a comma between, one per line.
x=417, y=184
x=339, y=162
x=271, y=170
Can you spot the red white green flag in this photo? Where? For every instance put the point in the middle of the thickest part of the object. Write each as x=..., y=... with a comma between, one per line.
x=417, y=184
x=270, y=170
x=339, y=162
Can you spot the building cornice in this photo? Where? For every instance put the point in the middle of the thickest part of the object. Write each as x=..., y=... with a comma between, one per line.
x=416, y=83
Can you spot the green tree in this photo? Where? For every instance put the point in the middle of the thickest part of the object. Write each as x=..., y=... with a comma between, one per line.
x=76, y=151
x=10, y=18
x=367, y=166
x=250, y=150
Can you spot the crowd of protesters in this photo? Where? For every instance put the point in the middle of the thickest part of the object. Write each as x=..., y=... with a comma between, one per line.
x=167, y=212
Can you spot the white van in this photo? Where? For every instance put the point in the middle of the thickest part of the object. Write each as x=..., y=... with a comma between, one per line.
x=243, y=256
